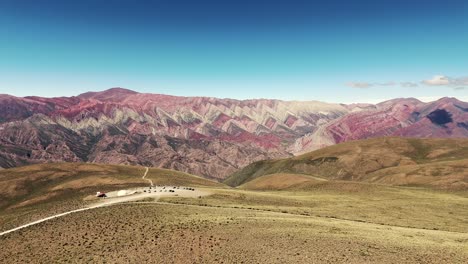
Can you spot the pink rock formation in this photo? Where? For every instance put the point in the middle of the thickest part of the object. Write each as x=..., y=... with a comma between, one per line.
x=201, y=135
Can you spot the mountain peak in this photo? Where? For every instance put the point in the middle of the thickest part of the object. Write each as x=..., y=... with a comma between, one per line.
x=448, y=100
x=114, y=94
x=119, y=90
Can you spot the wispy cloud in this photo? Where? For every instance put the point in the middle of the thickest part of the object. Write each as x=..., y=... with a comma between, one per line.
x=364, y=85
x=437, y=80
x=385, y=84
x=409, y=84
x=442, y=80
x=460, y=83
x=361, y=85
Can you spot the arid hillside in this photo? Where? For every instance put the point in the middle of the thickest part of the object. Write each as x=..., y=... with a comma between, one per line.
x=30, y=192
x=275, y=218
x=435, y=163
x=34, y=183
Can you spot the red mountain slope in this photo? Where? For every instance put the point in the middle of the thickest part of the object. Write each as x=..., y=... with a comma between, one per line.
x=202, y=135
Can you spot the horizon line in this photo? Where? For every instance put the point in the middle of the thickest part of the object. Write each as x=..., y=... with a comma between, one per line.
x=423, y=99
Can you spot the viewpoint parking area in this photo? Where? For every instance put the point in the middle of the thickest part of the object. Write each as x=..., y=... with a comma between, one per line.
x=156, y=192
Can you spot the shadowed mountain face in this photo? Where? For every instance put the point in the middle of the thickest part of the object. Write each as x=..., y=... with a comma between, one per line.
x=399, y=117
x=201, y=135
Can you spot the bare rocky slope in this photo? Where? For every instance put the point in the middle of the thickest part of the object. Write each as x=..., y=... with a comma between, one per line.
x=201, y=135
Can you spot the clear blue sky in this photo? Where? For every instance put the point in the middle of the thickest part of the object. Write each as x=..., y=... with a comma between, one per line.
x=337, y=51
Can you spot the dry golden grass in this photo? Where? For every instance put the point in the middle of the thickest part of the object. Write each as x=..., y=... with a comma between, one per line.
x=434, y=163
x=281, y=181
x=369, y=203
x=170, y=177
x=153, y=233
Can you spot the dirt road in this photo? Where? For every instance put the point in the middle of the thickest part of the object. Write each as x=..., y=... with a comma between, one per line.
x=149, y=180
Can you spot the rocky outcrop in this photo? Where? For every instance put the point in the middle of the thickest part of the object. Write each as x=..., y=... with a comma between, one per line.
x=205, y=136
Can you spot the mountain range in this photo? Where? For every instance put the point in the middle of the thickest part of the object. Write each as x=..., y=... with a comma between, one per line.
x=206, y=136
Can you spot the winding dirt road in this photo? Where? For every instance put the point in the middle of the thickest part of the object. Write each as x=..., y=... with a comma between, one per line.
x=149, y=180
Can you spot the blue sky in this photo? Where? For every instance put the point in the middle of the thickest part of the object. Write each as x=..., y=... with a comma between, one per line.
x=336, y=51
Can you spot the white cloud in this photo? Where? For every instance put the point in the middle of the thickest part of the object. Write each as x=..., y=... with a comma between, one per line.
x=437, y=80
x=441, y=80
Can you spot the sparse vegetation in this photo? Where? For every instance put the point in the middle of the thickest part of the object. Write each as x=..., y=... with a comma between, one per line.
x=275, y=218
x=194, y=234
